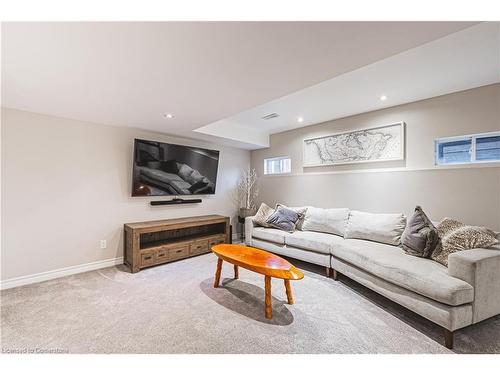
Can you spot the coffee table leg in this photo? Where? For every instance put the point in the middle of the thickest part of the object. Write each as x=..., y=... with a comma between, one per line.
x=269, y=308
x=288, y=292
x=236, y=272
x=217, y=273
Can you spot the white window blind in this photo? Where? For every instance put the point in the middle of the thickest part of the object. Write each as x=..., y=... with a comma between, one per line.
x=278, y=165
x=475, y=148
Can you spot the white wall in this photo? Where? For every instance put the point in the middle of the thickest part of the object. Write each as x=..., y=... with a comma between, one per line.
x=66, y=185
x=471, y=194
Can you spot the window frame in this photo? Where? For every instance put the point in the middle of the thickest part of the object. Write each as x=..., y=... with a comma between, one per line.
x=473, y=138
x=277, y=158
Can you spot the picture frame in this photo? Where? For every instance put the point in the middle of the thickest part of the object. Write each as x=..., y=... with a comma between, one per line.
x=393, y=129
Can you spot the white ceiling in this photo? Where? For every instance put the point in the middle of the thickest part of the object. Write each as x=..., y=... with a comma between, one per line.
x=460, y=61
x=129, y=74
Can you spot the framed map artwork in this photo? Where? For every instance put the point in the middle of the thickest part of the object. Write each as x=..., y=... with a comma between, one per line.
x=381, y=143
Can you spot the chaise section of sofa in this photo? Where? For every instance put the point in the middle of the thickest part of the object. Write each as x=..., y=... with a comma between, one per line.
x=464, y=293
x=419, y=275
x=451, y=318
x=481, y=269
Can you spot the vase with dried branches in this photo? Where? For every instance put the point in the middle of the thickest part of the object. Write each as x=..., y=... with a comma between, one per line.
x=247, y=193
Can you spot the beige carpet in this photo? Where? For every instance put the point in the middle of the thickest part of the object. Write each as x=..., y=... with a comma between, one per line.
x=174, y=309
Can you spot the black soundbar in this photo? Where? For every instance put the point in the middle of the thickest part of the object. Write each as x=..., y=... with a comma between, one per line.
x=175, y=201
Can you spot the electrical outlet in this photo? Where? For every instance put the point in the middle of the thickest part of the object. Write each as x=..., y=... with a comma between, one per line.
x=103, y=244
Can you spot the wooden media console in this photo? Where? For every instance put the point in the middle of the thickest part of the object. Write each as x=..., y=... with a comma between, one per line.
x=150, y=243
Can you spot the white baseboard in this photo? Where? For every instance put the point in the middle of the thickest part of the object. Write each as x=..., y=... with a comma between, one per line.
x=61, y=272
x=49, y=275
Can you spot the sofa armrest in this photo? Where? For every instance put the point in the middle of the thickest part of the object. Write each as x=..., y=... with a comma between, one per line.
x=481, y=269
x=248, y=230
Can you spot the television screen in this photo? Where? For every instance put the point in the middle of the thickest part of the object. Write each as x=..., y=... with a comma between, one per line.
x=168, y=169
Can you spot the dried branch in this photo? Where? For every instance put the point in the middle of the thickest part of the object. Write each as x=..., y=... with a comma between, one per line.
x=247, y=190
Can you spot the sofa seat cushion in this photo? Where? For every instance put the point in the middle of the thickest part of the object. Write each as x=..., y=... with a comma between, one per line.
x=313, y=241
x=420, y=275
x=270, y=234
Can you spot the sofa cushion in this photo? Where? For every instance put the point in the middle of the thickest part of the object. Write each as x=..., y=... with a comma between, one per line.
x=330, y=220
x=269, y=234
x=313, y=241
x=293, y=252
x=420, y=275
x=384, y=228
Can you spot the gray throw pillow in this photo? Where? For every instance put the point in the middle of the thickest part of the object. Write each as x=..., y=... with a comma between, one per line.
x=420, y=237
x=284, y=218
x=300, y=210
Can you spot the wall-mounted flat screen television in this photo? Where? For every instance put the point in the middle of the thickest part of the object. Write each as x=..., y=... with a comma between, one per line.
x=169, y=169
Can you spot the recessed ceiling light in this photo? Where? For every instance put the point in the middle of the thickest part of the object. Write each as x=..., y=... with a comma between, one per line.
x=383, y=97
x=168, y=115
x=300, y=119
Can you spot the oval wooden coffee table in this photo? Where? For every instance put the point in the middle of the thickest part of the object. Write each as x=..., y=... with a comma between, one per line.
x=259, y=261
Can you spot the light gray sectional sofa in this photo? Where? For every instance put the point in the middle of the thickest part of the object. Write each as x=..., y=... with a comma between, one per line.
x=365, y=249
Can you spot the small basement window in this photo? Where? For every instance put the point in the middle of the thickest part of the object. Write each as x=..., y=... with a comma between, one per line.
x=278, y=165
x=476, y=148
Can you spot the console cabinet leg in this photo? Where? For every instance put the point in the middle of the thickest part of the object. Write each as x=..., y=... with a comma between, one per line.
x=448, y=339
x=335, y=274
x=236, y=272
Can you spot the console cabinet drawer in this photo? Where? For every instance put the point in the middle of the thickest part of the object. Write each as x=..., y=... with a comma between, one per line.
x=216, y=240
x=178, y=252
x=150, y=243
x=148, y=258
x=198, y=247
x=161, y=256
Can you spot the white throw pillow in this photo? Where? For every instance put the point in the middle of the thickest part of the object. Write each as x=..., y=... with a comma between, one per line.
x=384, y=228
x=326, y=220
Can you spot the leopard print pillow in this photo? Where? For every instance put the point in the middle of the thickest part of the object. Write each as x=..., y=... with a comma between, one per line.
x=456, y=236
x=447, y=225
x=262, y=215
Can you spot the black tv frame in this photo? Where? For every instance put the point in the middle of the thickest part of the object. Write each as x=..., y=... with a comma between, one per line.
x=167, y=194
